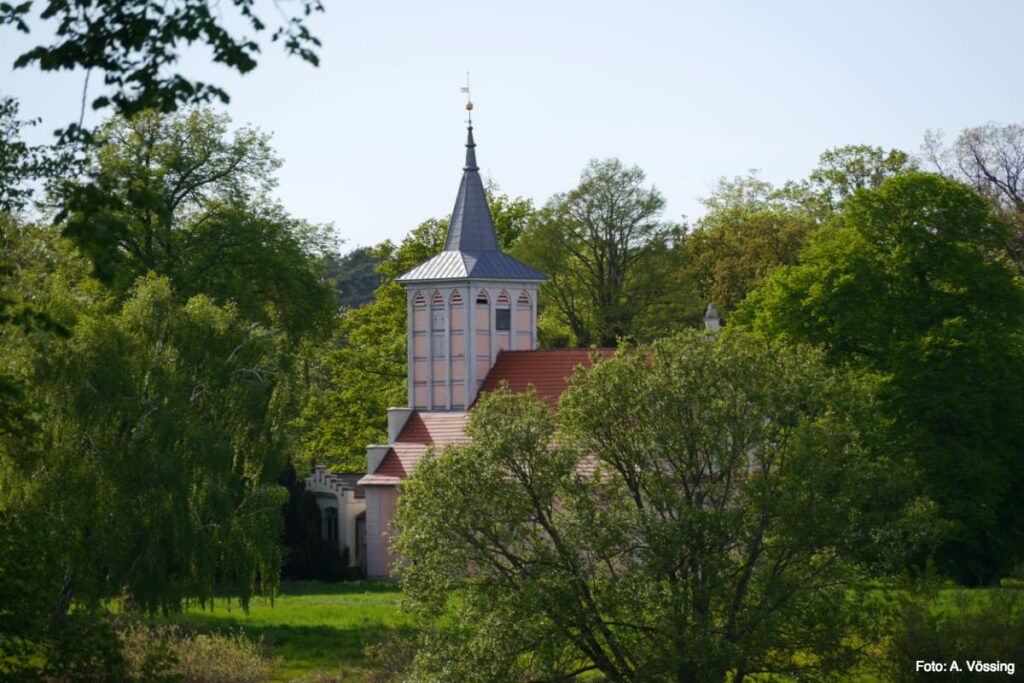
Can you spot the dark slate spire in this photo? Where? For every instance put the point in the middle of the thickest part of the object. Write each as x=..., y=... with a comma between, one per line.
x=471, y=248
x=471, y=229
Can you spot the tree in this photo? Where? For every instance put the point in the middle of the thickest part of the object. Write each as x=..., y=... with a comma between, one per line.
x=166, y=428
x=355, y=277
x=134, y=43
x=688, y=514
x=990, y=159
x=179, y=196
x=602, y=247
x=900, y=288
x=842, y=171
x=748, y=231
x=18, y=160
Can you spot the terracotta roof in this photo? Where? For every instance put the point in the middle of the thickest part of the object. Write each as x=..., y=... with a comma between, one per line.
x=421, y=431
x=548, y=371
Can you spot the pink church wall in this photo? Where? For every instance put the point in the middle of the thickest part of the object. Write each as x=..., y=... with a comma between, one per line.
x=388, y=499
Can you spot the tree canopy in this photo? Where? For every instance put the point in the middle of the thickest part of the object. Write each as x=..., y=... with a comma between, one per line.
x=692, y=512
x=901, y=287
x=183, y=196
x=603, y=249
x=136, y=43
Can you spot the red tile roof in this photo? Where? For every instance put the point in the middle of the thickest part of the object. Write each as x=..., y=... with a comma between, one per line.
x=547, y=371
x=421, y=431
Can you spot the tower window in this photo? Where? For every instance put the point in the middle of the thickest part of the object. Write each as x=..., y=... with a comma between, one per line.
x=503, y=319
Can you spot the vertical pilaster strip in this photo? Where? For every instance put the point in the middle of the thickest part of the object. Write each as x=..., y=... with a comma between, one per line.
x=430, y=352
x=513, y=313
x=448, y=347
x=469, y=355
x=493, y=333
x=533, y=318
x=410, y=348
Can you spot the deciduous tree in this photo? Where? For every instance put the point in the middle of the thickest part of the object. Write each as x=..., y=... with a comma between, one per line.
x=990, y=158
x=165, y=431
x=136, y=44
x=901, y=287
x=183, y=196
x=690, y=514
x=602, y=246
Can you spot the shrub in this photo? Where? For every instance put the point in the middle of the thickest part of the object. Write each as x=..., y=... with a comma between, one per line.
x=166, y=654
x=987, y=628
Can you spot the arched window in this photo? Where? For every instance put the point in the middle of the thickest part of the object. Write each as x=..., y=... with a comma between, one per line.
x=524, y=299
x=481, y=297
x=456, y=298
x=503, y=312
x=330, y=526
x=438, y=322
x=419, y=300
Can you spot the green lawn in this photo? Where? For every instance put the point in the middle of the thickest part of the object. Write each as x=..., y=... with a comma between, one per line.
x=320, y=631
x=314, y=629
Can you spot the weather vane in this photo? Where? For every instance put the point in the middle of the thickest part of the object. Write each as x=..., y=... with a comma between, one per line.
x=469, y=99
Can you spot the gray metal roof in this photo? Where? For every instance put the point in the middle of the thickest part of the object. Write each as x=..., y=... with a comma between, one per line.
x=471, y=247
x=459, y=265
x=471, y=227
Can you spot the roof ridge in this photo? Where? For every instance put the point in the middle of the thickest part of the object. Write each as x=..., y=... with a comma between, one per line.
x=578, y=348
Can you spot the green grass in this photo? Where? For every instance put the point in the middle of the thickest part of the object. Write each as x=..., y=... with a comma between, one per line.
x=320, y=631
x=313, y=629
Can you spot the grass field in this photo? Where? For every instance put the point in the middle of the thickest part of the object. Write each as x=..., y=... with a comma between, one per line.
x=320, y=631
x=314, y=630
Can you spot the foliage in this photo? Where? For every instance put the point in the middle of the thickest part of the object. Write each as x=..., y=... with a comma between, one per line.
x=135, y=43
x=900, y=287
x=842, y=171
x=603, y=249
x=29, y=578
x=355, y=277
x=979, y=628
x=164, y=436
x=747, y=232
x=168, y=653
x=178, y=196
x=990, y=159
x=308, y=555
x=694, y=510
x=18, y=160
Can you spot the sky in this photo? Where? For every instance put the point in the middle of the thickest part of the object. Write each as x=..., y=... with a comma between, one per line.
x=372, y=140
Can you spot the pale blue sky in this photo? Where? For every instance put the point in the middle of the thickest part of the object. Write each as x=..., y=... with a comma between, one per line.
x=372, y=140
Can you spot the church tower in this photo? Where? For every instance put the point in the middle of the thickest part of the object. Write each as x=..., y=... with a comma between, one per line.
x=466, y=304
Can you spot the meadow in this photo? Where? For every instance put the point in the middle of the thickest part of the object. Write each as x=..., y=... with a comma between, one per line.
x=319, y=632
x=314, y=631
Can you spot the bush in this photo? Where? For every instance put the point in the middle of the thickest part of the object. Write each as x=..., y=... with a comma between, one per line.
x=987, y=628
x=84, y=647
x=166, y=654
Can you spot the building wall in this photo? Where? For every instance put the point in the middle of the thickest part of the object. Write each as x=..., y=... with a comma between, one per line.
x=380, y=509
x=329, y=492
x=454, y=337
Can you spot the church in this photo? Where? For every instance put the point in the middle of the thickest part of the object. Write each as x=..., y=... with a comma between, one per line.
x=472, y=324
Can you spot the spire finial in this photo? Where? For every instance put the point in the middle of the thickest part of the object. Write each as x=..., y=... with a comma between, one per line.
x=470, y=145
x=469, y=102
